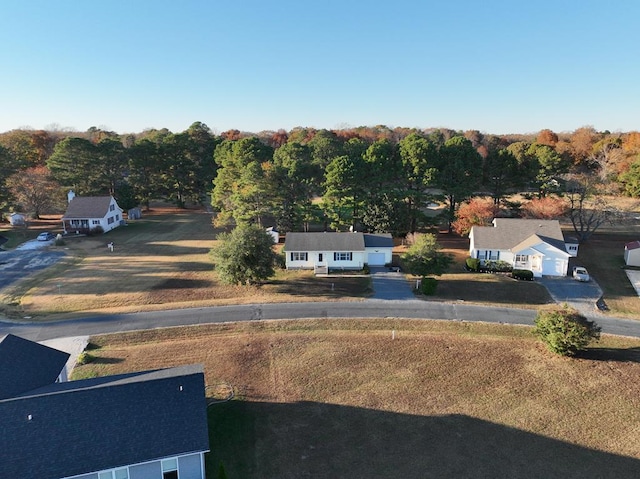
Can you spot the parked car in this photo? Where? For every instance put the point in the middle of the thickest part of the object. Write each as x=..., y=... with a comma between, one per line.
x=46, y=236
x=580, y=273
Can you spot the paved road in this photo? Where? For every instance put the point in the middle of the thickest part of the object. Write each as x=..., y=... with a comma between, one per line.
x=413, y=309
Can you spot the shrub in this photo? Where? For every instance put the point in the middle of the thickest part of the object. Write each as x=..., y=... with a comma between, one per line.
x=429, y=286
x=96, y=230
x=473, y=264
x=85, y=358
x=564, y=330
x=365, y=269
x=522, y=274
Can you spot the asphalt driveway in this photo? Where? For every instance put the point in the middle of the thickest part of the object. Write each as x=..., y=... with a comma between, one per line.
x=390, y=285
x=581, y=296
x=27, y=258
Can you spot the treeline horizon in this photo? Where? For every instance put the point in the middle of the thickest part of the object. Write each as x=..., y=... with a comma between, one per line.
x=371, y=177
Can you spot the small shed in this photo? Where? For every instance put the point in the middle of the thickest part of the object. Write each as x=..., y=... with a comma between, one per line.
x=17, y=219
x=632, y=253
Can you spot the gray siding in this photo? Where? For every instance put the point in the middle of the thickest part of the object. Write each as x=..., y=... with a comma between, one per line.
x=190, y=467
x=151, y=470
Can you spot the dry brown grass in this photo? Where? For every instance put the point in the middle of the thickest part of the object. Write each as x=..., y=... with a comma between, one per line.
x=159, y=262
x=342, y=393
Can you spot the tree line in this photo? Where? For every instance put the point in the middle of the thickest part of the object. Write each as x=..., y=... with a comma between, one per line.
x=370, y=178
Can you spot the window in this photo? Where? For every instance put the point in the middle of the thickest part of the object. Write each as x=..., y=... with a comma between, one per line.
x=297, y=256
x=522, y=258
x=342, y=256
x=95, y=222
x=573, y=248
x=110, y=220
x=494, y=255
x=112, y=207
x=170, y=468
x=117, y=217
x=122, y=473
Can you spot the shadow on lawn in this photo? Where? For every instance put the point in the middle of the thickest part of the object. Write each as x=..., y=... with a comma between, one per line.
x=310, y=439
x=627, y=355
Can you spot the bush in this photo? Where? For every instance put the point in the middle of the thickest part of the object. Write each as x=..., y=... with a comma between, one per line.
x=96, y=231
x=524, y=274
x=473, y=264
x=429, y=286
x=85, y=358
x=564, y=330
x=365, y=269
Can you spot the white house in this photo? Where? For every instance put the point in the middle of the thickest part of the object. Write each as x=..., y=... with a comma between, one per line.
x=632, y=253
x=85, y=213
x=327, y=251
x=535, y=245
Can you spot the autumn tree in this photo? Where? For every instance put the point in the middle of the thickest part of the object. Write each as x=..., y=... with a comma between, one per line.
x=476, y=212
x=35, y=190
x=545, y=208
x=547, y=137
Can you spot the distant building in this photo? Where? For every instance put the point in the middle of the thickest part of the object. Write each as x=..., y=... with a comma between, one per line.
x=85, y=213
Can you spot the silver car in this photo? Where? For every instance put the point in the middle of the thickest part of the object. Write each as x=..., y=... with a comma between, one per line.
x=580, y=274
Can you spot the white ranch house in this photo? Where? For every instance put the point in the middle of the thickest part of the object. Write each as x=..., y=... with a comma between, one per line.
x=535, y=245
x=323, y=252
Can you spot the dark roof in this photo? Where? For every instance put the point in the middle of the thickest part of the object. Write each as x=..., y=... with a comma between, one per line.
x=632, y=245
x=324, y=242
x=84, y=426
x=26, y=365
x=85, y=207
x=509, y=233
x=378, y=240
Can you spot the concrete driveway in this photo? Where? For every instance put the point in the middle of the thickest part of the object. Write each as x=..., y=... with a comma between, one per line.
x=581, y=296
x=390, y=285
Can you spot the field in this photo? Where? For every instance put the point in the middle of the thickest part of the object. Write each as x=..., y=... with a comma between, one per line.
x=340, y=398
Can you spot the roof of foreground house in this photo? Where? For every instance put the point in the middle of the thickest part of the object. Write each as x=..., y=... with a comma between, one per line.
x=88, y=207
x=26, y=365
x=76, y=427
x=516, y=234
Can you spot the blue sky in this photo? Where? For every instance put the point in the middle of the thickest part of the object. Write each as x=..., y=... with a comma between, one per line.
x=495, y=66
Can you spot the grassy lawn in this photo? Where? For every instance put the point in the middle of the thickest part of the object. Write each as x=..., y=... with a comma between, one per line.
x=161, y=261
x=339, y=398
x=603, y=256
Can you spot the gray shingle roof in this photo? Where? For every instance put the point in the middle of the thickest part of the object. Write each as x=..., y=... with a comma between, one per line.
x=378, y=240
x=85, y=207
x=26, y=365
x=509, y=233
x=84, y=426
x=324, y=242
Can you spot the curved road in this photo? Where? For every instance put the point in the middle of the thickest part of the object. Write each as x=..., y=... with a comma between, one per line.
x=412, y=309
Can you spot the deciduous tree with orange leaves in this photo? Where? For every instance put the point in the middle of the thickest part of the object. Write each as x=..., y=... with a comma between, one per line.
x=476, y=212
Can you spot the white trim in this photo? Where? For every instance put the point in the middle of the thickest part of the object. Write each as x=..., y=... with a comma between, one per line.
x=158, y=459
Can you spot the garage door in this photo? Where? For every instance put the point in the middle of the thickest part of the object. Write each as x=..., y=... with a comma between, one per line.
x=376, y=259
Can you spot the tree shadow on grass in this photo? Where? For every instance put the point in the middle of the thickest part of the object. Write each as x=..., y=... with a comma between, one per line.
x=307, y=439
x=622, y=355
